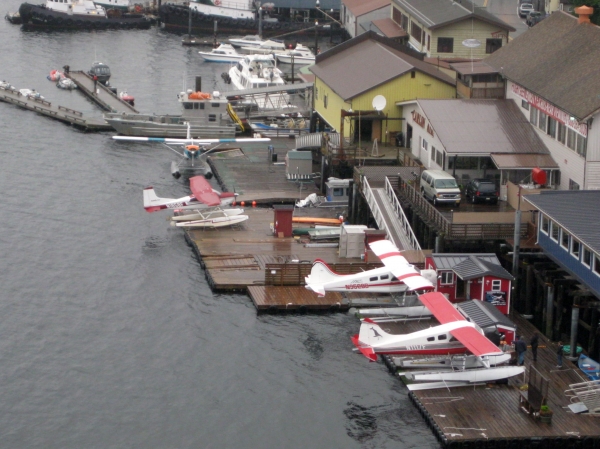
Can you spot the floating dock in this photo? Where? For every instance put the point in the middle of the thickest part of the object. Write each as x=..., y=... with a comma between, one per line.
x=57, y=112
x=103, y=96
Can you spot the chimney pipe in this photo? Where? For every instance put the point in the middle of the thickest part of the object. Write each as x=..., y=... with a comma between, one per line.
x=584, y=13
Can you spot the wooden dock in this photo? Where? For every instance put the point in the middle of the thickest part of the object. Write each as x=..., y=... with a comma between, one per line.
x=57, y=112
x=103, y=97
x=492, y=416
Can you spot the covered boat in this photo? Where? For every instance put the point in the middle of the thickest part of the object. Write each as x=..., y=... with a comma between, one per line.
x=209, y=116
x=590, y=367
x=79, y=14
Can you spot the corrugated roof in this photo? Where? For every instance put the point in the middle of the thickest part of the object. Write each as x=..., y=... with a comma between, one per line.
x=389, y=28
x=471, y=266
x=558, y=60
x=360, y=7
x=447, y=261
x=482, y=126
x=576, y=211
x=439, y=13
x=475, y=67
x=371, y=61
x=524, y=161
x=305, y=4
x=484, y=314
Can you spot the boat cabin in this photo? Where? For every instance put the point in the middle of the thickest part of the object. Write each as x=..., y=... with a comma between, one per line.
x=102, y=71
x=337, y=189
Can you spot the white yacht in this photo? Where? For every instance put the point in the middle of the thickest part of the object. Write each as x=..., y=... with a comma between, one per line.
x=252, y=40
x=268, y=47
x=223, y=53
x=301, y=55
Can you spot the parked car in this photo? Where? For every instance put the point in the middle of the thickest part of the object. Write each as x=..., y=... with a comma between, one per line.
x=524, y=9
x=481, y=191
x=439, y=187
x=533, y=18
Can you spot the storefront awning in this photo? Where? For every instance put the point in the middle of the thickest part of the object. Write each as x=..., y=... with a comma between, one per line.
x=507, y=161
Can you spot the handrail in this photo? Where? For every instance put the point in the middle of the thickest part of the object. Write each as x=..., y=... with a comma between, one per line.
x=370, y=198
x=389, y=190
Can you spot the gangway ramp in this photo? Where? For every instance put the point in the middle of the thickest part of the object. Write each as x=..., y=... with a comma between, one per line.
x=389, y=216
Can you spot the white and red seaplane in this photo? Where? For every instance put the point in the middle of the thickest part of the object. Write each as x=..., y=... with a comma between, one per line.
x=397, y=275
x=203, y=196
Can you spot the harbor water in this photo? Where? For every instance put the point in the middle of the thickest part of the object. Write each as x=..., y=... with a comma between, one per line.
x=110, y=335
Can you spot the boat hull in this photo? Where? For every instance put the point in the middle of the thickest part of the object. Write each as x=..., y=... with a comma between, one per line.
x=127, y=126
x=215, y=58
x=40, y=16
x=177, y=17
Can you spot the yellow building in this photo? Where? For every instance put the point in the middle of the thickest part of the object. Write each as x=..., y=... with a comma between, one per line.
x=358, y=83
x=450, y=28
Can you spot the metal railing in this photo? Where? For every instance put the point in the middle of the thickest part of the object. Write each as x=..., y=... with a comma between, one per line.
x=403, y=221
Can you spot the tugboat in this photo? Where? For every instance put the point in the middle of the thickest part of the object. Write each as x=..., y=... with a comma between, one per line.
x=14, y=18
x=79, y=14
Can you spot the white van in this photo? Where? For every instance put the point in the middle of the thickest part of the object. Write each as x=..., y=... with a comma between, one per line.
x=440, y=187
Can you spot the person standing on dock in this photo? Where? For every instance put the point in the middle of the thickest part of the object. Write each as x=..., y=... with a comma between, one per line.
x=521, y=348
x=534, y=345
x=559, y=354
x=95, y=84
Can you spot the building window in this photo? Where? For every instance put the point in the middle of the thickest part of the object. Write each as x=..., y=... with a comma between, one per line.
x=212, y=118
x=545, y=224
x=405, y=23
x=316, y=93
x=439, y=158
x=571, y=139
x=586, y=257
x=561, y=133
x=424, y=144
x=573, y=185
x=428, y=42
x=445, y=45
x=554, y=229
x=433, y=154
x=325, y=101
x=446, y=278
x=491, y=45
x=542, y=121
x=496, y=285
x=596, y=265
x=575, y=247
x=533, y=115
x=581, y=145
x=525, y=105
x=551, y=127
x=564, y=239
x=415, y=31
x=397, y=16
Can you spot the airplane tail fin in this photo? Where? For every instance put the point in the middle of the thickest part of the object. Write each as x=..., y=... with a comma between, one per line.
x=371, y=335
x=320, y=274
x=152, y=203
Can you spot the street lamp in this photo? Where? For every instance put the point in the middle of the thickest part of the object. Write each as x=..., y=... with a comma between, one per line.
x=316, y=37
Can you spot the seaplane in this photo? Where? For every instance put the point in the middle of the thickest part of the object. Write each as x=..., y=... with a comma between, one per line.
x=456, y=334
x=397, y=275
x=203, y=196
x=193, y=152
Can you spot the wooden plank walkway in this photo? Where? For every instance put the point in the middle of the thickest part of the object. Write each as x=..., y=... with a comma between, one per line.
x=104, y=97
x=491, y=416
x=57, y=112
x=294, y=299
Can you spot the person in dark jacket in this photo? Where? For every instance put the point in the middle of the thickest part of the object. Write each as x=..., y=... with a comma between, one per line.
x=521, y=348
x=559, y=354
x=534, y=345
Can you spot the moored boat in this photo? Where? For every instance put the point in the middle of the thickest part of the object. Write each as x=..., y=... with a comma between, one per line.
x=79, y=14
x=590, y=367
x=223, y=53
x=14, y=18
x=299, y=56
x=251, y=40
x=204, y=115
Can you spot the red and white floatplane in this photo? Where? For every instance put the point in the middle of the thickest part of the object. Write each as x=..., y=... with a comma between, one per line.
x=456, y=334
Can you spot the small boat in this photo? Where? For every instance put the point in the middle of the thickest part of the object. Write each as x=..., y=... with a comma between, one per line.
x=298, y=56
x=31, y=93
x=283, y=126
x=252, y=40
x=14, y=18
x=7, y=86
x=127, y=98
x=101, y=70
x=590, y=367
x=216, y=218
x=66, y=83
x=223, y=53
x=268, y=47
x=55, y=75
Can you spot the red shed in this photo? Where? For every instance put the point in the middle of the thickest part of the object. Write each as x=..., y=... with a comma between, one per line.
x=283, y=220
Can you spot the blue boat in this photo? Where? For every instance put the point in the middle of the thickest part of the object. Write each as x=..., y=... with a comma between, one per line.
x=590, y=367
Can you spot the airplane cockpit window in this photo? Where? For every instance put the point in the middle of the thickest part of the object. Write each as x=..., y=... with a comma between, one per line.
x=385, y=276
x=373, y=279
x=430, y=338
x=453, y=339
x=394, y=278
x=442, y=337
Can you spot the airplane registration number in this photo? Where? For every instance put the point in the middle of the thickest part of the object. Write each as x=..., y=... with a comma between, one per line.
x=175, y=205
x=356, y=286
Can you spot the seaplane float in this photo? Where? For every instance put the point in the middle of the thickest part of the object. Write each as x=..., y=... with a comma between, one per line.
x=208, y=218
x=456, y=334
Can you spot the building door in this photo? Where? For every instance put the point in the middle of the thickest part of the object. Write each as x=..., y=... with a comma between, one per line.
x=409, y=132
x=460, y=288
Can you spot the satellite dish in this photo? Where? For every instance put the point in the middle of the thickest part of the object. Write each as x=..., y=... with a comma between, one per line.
x=471, y=43
x=379, y=102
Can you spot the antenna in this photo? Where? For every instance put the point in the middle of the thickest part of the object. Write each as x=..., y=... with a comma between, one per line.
x=379, y=103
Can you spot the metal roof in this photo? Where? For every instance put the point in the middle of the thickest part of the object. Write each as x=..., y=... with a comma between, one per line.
x=439, y=13
x=484, y=314
x=389, y=28
x=472, y=68
x=471, y=266
x=360, y=7
x=558, y=60
x=305, y=4
x=524, y=161
x=576, y=211
x=482, y=127
x=372, y=60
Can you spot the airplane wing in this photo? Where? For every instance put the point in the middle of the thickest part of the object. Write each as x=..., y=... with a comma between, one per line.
x=203, y=192
x=390, y=255
x=173, y=140
x=445, y=312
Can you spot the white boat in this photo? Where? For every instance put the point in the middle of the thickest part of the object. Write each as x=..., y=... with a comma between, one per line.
x=216, y=218
x=268, y=47
x=298, y=55
x=31, y=93
x=236, y=9
x=258, y=71
x=66, y=83
x=251, y=40
x=183, y=215
x=223, y=53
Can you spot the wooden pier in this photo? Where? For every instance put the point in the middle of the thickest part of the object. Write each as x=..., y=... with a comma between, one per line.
x=493, y=415
x=102, y=96
x=57, y=112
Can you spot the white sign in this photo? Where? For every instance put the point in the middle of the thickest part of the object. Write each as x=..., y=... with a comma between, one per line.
x=471, y=43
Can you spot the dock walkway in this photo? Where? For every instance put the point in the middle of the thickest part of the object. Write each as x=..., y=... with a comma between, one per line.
x=104, y=97
x=57, y=112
